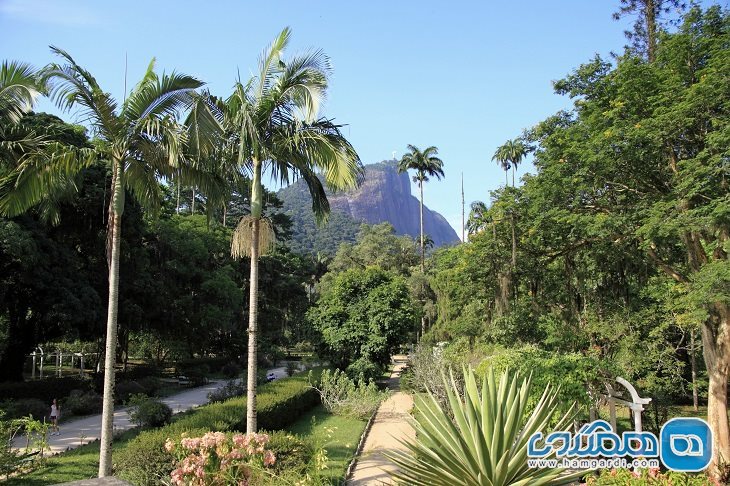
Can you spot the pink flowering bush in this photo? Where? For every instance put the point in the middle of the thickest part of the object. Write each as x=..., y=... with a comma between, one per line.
x=219, y=459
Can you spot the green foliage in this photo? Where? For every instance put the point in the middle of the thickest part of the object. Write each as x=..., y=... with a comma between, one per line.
x=45, y=390
x=292, y=452
x=342, y=395
x=81, y=402
x=25, y=407
x=232, y=389
x=652, y=477
x=577, y=378
x=279, y=403
x=481, y=436
x=148, y=411
x=363, y=314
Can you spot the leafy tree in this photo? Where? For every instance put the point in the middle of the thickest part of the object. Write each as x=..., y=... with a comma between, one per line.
x=275, y=116
x=363, y=315
x=142, y=141
x=425, y=164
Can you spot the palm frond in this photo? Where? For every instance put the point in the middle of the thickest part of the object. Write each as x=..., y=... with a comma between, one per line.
x=41, y=175
x=20, y=86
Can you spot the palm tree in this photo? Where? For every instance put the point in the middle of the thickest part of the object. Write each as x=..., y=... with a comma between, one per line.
x=478, y=218
x=279, y=129
x=142, y=141
x=426, y=165
x=510, y=154
x=20, y=86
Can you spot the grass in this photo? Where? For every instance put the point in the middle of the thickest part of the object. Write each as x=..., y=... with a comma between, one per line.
x=338, y=435
x=79, y=463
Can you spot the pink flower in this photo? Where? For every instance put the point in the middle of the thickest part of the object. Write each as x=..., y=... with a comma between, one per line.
x=269, y=458
x=169, y=445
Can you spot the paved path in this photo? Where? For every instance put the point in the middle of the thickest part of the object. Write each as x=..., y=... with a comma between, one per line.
x=392, y=422
x=88, y=429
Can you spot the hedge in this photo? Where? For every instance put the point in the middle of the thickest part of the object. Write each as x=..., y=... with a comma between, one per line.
x=46, y=389
x=279, y=403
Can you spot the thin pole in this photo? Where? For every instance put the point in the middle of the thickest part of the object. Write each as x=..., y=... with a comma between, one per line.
x=463, y=208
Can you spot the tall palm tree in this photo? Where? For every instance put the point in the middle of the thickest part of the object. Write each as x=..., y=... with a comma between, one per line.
x=510, y=155
x=278, y=127
x=142, y=141
x=426, y=165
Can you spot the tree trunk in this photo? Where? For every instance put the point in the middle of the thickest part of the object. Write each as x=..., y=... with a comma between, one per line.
x=514, y=242
x=225, y=212
x=423, y=250
x=256, y=211
x=192, y=205
x=116, y=209
x=513, y=175
x=716, y=349
x=651, y=29
x=693, y=364
x=506, y=179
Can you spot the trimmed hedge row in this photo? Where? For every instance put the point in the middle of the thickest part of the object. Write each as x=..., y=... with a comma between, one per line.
x=46, y=389
x=279, y=403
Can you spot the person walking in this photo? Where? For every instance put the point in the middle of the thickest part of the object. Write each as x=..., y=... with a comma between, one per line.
x=55, y=415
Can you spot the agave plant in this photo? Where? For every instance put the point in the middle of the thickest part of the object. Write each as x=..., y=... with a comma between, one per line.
x=481, y=438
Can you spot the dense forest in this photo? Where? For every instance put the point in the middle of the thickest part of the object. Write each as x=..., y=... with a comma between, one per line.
x=611, y=259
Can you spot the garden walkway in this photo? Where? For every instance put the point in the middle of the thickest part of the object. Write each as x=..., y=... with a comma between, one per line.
x=391, y=423
x=74, y=433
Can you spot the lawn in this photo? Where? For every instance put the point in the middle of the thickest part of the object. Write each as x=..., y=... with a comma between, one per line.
x=80, y=463
x=338, y=435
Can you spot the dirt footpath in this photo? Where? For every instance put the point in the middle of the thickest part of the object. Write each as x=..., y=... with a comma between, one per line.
x=390, y=424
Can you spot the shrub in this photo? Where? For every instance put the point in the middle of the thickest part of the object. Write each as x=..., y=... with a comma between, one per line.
x=231, y=370
x=45, y=390
x=125, y=389
x=196, y=375
x=148, y=412
x=217, y=458
x=15, y=409
x=343, y=396
x=291, y=368
x=364, y=369
x=81, y=402
x=292, y=453
x=150, y=384
x=144, y=461
x=232, y=389
x=280, y=403
x=140, y=371
x=626, y=477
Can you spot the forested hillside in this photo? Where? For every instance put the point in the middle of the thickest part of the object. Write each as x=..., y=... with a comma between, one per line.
x=383, y=197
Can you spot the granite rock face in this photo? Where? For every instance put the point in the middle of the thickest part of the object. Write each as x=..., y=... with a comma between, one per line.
x=385, y=196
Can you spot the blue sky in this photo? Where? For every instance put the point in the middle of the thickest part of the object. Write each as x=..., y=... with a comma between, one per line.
x=463, y=76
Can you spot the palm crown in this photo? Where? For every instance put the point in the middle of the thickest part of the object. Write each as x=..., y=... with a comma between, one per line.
x=425, y=163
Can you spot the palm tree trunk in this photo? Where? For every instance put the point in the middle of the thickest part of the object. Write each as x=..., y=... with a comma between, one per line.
x=506, y=179
x=256, y=212
x=423, y=250
x=116, y=209
x=225, y=208
x=513, y=175
x=192, y=207
x=514, y=242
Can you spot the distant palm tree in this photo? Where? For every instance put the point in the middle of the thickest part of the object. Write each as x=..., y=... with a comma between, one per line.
x=142, y=141
x=426, y=165
x=478, y=218
x=276, y=120
x=510, y=155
